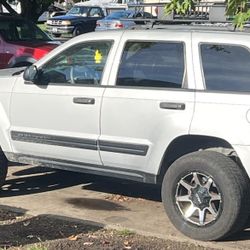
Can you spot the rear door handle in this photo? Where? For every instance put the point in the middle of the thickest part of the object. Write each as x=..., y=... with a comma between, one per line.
x=172, y=105
x=84, y=100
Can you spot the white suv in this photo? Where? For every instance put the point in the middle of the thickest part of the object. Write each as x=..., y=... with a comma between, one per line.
x=156, y=106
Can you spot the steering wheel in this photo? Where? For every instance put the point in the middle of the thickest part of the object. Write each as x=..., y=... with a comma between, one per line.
x=83, y=73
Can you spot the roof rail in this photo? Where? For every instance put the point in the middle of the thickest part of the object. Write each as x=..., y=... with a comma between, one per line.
x=187, y=24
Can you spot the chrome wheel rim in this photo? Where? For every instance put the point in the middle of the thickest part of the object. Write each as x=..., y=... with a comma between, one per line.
x=198, y=198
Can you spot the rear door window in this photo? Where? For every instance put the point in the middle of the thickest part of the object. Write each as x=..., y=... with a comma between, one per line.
x=226, y=67
x=152, y=64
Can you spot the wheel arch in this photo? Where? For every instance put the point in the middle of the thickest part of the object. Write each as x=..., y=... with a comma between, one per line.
x=186, y=144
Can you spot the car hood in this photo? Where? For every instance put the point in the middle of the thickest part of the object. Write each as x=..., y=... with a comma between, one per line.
x=11, y=72
x=67, y=17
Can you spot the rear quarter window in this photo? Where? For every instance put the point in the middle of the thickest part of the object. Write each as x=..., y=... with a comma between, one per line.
x=226, y=67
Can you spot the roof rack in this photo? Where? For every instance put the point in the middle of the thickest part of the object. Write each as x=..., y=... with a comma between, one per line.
x=184, y=24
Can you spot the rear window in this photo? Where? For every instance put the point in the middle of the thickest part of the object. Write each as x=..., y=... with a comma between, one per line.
x=152, y=64
x=118, y=15
x=226, y=67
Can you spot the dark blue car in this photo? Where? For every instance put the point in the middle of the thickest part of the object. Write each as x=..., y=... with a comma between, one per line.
x=80, y=19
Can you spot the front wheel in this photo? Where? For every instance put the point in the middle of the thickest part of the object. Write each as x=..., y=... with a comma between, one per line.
x=3, y=168
x=205, y=195
x=77, y=31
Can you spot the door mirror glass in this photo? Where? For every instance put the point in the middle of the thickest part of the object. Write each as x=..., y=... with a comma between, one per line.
x=31, y=74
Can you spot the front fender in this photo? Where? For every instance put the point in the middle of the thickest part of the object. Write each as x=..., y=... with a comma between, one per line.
x=7, y=82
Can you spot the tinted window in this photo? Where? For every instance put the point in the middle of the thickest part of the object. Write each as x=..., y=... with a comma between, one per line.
x=226, y=67
x=95, y=12
x=21, y=30
x=118, y=15
x=81, y=64
x=152, y=64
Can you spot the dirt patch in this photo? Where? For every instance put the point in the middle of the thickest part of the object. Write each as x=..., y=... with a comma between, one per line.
x=115, y=240
x=19, y=231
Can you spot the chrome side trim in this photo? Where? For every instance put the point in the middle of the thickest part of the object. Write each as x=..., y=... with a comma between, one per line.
x=54, y=140
x=124, y=148
x=72, y=142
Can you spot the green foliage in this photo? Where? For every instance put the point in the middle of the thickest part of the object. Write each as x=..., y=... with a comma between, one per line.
x=126, y=232
x=179, y=6
x=241, y=18
x=37, y=247
x=238, y=9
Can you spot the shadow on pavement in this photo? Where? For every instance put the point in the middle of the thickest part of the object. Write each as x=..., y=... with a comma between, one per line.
x=241, y=235
x=30, y=180
x=38, y=180
x=126, y=188
x=96, y=204
x=29, y=230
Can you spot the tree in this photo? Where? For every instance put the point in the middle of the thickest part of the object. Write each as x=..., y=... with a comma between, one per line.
x=30, y=9
x=239, y=9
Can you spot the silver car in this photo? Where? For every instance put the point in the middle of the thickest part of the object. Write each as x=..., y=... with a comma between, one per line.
x=117, y=20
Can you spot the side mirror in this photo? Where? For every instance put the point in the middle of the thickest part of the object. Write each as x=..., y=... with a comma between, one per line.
x=31, y=74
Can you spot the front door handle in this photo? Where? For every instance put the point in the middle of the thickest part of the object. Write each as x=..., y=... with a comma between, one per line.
x=172, y=105
x=84, y=100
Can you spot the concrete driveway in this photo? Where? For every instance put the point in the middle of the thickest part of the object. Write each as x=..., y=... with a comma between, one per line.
x=99, y=200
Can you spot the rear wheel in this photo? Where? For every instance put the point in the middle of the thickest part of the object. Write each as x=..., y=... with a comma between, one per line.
x=205, y=195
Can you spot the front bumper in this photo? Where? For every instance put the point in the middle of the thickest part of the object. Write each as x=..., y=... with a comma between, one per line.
x=55, y=29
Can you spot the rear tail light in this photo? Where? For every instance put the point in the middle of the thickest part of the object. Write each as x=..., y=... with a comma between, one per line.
x=98, y=24
x=119, y=25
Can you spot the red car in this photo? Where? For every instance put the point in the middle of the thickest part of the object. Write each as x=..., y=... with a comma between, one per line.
x=21, y=42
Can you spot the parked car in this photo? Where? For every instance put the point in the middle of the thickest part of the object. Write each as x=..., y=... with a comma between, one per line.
x=46, y=15
x=80, y=19
x=162, y=106
x=21, y=42
x=117, y=20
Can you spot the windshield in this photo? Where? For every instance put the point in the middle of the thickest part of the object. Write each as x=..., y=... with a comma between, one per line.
x=21, y=30
x=78, y=10
x=118, y=15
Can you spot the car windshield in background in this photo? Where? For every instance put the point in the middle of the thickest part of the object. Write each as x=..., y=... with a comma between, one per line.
x=78, y=10
x=140, y=14
x=112, y=10
x=118, y=15
x=21, y=30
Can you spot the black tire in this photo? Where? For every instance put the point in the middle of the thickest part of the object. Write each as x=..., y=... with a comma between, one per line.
x=77, y=31
x=3, y=168
x=230, y=185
